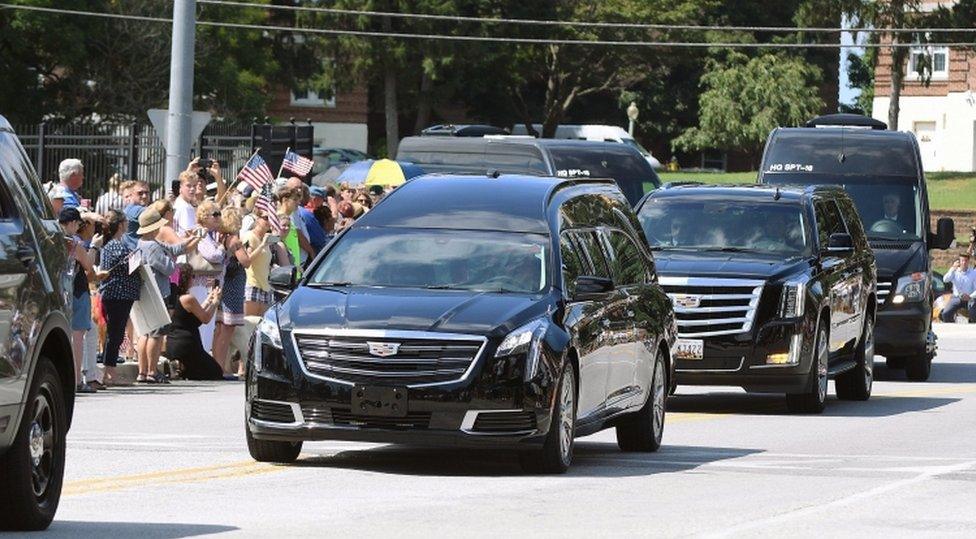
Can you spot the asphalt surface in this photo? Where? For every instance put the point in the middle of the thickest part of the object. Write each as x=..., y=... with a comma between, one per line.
x=171, y=461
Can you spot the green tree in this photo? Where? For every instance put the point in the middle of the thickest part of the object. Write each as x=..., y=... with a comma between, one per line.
x=745, y=98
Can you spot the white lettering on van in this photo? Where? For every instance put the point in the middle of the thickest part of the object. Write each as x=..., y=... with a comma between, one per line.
x=573, y=173
x=790, y=167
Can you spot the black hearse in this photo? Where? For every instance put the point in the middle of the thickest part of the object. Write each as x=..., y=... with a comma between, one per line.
x=539, y=157
x=881, y=170
x=513, y=312
x=773, y=288
x=37, y=374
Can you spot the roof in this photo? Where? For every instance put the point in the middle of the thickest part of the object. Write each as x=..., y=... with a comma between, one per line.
x=847, y=120
x=743, y=192
x=513, y=203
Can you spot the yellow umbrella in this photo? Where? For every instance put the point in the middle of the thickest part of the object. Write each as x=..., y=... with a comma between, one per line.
x=386, y=172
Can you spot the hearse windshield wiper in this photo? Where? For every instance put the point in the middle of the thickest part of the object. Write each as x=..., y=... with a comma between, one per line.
x=329, y=284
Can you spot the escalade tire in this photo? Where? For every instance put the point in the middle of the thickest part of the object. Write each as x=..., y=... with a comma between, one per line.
x=918, y=368
x=32, y=470
x=855, y=384
x=814, y=399
x=556, y=453
x=643, y=430
x=272, y=451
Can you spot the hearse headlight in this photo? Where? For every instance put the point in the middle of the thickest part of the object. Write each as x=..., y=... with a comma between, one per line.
x=526, y=339
x=910, y=288
x=793, y=299
x=268, y=332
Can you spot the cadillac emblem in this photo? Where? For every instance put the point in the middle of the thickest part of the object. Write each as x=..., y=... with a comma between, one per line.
x=687, y=301
x=383, y=349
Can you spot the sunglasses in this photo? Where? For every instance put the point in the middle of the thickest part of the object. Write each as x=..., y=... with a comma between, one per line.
x=215, y=214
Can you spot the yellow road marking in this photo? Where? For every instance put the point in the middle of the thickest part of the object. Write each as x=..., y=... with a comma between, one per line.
x=183, y=475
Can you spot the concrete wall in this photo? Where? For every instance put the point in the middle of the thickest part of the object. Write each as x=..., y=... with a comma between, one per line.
x=341, y=135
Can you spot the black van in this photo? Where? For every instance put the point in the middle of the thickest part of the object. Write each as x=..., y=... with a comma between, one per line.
x=881, y=170
x=538, y=157
x=36, y=369
x=510, y=312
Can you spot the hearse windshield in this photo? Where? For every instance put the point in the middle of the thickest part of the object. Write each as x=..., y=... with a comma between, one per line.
x=890, y=206
x=678, y=223
x=437, y=259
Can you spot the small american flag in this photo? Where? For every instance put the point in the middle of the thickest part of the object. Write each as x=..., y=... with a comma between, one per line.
x=255, y=172
x=265, y=203
x=296, y=163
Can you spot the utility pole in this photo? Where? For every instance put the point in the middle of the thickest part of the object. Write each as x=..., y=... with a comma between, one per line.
x=178, y=140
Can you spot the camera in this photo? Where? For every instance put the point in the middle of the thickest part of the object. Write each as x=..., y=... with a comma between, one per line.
x=205, y=163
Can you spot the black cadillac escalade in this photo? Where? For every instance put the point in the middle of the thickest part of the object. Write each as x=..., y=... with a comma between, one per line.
x=773, y=288
x=513, y=312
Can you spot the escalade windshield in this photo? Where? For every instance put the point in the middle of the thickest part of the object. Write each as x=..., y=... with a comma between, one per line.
x=437, y=259
x=764, y=227
x=890, y=206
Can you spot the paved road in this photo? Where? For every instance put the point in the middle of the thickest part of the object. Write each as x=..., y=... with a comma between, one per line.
x=171, y=462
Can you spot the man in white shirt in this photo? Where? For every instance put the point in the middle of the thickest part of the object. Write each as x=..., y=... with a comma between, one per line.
x=963, y=279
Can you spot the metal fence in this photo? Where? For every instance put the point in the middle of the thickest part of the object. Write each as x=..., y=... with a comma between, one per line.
x=131, y=150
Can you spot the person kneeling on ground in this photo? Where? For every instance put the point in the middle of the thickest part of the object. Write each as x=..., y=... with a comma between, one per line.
x=183, y=342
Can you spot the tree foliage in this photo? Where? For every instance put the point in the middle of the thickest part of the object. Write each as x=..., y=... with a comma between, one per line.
x=745, y=98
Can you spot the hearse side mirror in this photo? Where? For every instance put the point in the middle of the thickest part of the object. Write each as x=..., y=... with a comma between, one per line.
x=283, y=278
x=840, y=243
x=945, y=233
x=589, y=287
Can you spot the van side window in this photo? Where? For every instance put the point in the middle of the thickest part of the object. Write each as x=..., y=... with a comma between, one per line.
x=572, y=264
x=591, y=249
x=625, y=260
x=829, y=221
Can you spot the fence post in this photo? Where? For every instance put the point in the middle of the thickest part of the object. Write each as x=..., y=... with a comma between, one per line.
x=133, y=148
x=200, y=145
x=254, y=134
x=294, y=133
x=41, y=133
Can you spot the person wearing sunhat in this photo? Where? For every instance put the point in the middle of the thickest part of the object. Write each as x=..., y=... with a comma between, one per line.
x=161, y=259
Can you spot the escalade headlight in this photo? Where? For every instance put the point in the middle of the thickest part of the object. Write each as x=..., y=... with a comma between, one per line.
x=910, y=288
x=527, y=340
x=793, y=299
x=268, y=334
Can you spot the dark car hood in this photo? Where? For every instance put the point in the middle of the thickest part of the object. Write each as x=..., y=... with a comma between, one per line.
x=900, y=262
x=726, y=265
x=408, y=309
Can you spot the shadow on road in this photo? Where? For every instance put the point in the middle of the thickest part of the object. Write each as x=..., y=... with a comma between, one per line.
x=944, y=373
x=591, y=459
x=759, y=404
x=144, y=530
x=176, y=388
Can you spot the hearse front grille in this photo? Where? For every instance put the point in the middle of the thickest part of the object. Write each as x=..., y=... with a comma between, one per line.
x=389, y=358
x=413, y=420
x=705, y=307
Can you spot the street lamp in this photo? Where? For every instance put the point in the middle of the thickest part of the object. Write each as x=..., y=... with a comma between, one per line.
x=632, y=113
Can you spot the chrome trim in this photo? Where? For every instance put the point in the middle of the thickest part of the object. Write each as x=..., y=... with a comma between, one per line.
x=742, y=361
x=748, y=311
x=467, y=424
x=707, y=281
x=387, y=334
x=296, y=412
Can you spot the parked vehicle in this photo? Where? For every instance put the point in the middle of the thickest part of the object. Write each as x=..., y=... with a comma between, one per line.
x=881, y=170
x=538, y=157
x=773, y=288
x=324, y=158
x=468, y=130
x=514, y=312
x=37, y=378
x=605, y=133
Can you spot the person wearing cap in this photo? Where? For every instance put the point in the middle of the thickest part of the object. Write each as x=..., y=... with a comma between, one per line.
x=963, y=280
x=316, y=234
x=161, y=259
x=82, y=272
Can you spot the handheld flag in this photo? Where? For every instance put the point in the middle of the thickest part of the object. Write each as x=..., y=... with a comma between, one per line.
x=297, y=164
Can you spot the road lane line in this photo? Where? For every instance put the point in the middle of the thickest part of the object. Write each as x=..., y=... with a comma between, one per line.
x=83, y=486
x=869, y=494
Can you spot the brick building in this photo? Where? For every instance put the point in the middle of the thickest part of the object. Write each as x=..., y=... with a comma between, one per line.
x=942, y=114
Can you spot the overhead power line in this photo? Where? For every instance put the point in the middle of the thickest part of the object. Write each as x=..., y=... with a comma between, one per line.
x=587, y=24
x=484, y=39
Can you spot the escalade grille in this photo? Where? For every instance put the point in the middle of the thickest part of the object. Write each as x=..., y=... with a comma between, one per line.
x=884, y=289
x=408, y=358
x=707, y=307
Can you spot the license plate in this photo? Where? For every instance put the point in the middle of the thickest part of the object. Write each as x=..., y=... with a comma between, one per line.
x=689, y=349
x=379, y=401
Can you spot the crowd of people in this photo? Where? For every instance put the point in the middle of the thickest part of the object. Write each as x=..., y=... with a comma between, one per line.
x=208, y=254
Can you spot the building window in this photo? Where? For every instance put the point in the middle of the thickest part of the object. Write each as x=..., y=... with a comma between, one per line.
x=311, y=98
x=932, y=61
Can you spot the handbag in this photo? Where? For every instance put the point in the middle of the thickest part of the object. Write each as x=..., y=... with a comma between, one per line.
x=201, y=266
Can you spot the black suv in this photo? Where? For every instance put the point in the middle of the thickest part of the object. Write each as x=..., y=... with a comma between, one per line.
x=36, y=368
x=773, y=288
x=513, y=312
